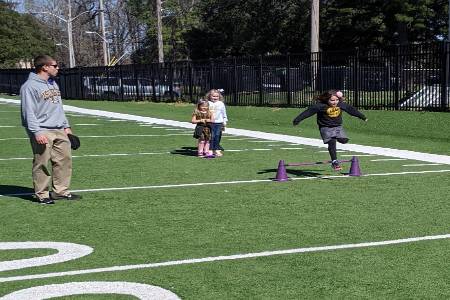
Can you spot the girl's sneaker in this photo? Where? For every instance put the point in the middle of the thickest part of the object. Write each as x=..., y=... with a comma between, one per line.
x=336, y=166
x=218, y=153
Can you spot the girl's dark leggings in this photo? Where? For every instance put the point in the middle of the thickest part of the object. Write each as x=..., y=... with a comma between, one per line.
x=332, y=149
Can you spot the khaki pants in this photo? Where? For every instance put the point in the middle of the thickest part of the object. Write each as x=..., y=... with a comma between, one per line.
x=58, y=153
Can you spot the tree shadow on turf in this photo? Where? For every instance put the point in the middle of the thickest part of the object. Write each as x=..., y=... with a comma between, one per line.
x=186, y=151
x=15, y=191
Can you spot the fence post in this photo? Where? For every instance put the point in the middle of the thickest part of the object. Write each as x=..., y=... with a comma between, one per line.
x=135, y=77
x=121, y=89
x=445, y=75
x=397, y=77
x=171, y=80
x=235, y=84
x=190, y=83
x=288, y=79
x=211, y=75
x=154, y=98
x=10, y=83
x=260, y=82
x=81, y=80
x=356, y=79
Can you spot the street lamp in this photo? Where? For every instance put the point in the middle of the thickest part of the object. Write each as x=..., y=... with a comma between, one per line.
x=68, y=21
x=106, y=54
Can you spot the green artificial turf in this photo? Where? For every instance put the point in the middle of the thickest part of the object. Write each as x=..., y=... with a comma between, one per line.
x=158, y=204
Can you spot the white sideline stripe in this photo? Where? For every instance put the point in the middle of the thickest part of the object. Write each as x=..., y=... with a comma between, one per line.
x=7, y=126
x=227, y=257
x=291, y=148
x=181, y=185
x=87, y=124
x=427, y=157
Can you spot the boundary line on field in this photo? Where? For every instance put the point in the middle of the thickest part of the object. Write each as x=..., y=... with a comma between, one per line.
x=427, y=157
x=225, y=258
x=128, y=188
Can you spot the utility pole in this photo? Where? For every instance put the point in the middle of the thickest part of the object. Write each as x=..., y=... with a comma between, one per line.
x=107, y=58
x=315, y=42
x=448, y=28
x=68, y=22
x=102, y=30
x=315, y=26
x=159, y=29
x=70, y=38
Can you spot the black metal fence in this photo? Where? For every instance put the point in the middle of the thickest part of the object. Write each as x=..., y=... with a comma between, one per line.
x=398, y=77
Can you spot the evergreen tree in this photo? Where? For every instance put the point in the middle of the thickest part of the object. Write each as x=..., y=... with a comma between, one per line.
x=21, y=38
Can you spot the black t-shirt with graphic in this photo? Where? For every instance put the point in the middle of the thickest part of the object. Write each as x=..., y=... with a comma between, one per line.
x=328, y=116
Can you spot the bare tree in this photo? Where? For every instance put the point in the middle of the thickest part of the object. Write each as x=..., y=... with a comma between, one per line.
x=54, y=14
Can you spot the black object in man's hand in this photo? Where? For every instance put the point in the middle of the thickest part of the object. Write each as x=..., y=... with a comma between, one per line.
x=74, y=141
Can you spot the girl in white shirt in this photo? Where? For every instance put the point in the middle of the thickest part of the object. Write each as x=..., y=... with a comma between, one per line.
x=217, y=107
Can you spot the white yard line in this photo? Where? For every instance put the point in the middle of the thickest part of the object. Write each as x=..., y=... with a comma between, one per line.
x=420, y=165
x=350, y=155
x=427, y=157
x=94, y=155
x=326, y=151
x=388, y=159
x=227, y=258
x=132, y=135
x=87, y=124
x=143, y=153
x=182, y=185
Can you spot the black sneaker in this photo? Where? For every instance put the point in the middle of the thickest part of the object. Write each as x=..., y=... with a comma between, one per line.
x=65, y=197
x=46, y=201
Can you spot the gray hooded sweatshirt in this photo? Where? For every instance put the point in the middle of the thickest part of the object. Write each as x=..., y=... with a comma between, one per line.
x=41, y=105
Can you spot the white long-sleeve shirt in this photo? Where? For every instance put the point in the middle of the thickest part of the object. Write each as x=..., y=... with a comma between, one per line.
x=219, y=111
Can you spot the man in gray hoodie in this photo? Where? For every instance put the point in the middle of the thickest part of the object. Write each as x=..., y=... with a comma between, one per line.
x=47, y=127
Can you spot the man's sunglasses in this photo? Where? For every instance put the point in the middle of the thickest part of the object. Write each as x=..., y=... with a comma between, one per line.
x=54, y=66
